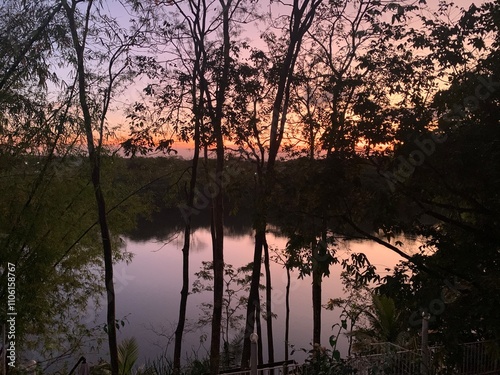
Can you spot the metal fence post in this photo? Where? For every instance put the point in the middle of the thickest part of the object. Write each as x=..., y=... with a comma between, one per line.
x=253, y=353
x=426, y=358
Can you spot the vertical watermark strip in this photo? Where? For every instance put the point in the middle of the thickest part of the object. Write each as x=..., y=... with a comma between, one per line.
x=11, y=314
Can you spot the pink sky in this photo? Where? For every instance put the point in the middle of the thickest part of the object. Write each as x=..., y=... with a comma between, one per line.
x=116, y=117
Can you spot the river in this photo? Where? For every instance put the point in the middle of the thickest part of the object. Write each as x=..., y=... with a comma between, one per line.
x=148, y=292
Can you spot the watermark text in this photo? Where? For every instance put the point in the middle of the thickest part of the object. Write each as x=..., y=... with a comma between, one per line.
x=11, y=314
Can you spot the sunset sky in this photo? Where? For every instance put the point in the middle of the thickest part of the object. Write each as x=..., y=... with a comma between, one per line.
x=116, y=116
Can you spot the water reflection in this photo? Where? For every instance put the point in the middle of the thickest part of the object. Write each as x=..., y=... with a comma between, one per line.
x=150, y=295
x=168, y=222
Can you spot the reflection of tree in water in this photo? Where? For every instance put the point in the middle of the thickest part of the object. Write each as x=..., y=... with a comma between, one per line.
x=164, y=224
x=199, y=242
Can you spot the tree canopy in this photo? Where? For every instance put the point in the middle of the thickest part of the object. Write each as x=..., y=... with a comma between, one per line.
x=350, y=119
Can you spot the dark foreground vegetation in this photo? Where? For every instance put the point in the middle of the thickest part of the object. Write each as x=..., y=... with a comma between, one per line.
x=347, y=121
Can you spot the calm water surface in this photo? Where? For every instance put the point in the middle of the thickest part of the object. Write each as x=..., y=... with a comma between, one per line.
x=148, y=292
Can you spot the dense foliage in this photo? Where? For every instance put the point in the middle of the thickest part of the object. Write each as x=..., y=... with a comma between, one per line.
x=345, y=121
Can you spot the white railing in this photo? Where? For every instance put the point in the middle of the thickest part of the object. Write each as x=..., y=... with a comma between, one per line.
x=279, y=369
x=477, y=359
x=398, y=362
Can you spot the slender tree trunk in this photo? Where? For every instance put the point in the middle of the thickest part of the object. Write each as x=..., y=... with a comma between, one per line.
x=217, y=293
x=218, y=263
x=218, y=215
x=320, y=256
x=185, y=254
x=108, y=274
x=287, y=313
x=258, y=327
x=95, y=168
x=316, y=297
x=301, y=17
x=183, y=303
x=253, y=299
x=316, y=294
x=269, y=312
x=197, y=110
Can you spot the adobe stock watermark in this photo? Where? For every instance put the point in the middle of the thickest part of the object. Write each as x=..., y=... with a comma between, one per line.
x=426, y=146
x=10, y=343
x=202, y=198
x=437, y=306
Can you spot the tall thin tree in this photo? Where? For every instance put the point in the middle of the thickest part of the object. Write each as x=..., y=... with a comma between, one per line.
x=301, y=17
x=79, y=22
x=211, y=77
